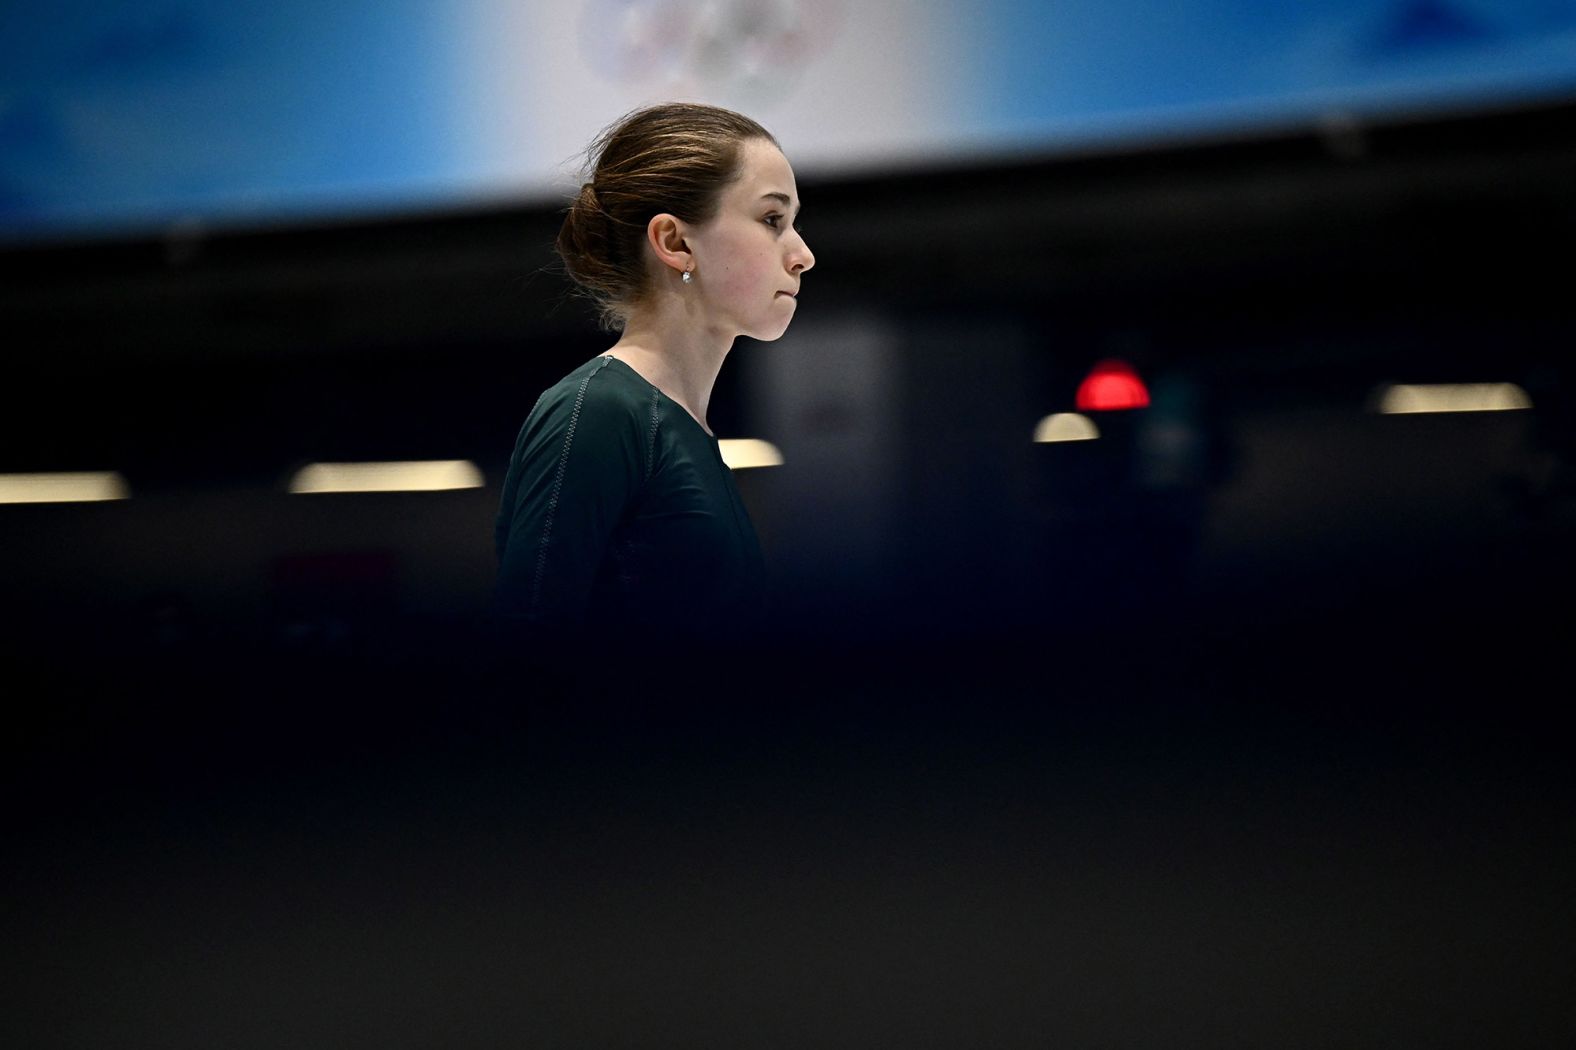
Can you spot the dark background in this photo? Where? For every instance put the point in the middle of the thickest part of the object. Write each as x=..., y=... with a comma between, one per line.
x=1243, y=725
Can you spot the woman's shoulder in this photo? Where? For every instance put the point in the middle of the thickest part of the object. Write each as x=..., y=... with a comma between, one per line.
x=598, y=390
x=598, y=405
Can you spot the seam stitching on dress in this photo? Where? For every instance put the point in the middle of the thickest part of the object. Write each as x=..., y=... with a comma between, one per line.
x=552, y=501
x=651, y=437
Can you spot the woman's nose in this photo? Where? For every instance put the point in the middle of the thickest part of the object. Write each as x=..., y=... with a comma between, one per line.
x=803, y=259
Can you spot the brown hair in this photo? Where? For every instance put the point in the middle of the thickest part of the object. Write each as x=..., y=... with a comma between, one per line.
x=676, y=157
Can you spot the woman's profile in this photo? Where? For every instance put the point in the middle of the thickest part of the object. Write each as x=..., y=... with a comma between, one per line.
x=617, y=509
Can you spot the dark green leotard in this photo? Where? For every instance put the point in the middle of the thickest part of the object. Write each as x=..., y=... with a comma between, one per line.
x=618, y=510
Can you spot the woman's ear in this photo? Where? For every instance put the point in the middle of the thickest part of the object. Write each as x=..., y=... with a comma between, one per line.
x=665, y=233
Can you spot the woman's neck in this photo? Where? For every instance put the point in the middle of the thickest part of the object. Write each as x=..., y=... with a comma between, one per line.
x=680, y=360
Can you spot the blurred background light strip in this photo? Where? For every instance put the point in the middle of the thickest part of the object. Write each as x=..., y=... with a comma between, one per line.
x=408, y=476
x=68, y=487
x=1066, y=426
x=1403, y=398
x=742, y=453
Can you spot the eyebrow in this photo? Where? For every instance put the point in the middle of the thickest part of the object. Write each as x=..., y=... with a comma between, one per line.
x=785, y=199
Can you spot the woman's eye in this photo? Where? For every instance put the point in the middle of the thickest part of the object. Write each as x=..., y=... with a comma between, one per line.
x=773, y=220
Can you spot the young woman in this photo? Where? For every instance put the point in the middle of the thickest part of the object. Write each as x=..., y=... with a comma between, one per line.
x=617, y=510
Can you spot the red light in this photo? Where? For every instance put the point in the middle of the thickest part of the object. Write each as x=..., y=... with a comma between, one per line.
x=1111, y=385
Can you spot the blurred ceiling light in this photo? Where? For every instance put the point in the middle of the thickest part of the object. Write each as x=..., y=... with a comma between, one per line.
x=1111, y=385
x=742, y=453
x=1401, y=398
x=1066, y=426
x=71, y=487
x=410, y=476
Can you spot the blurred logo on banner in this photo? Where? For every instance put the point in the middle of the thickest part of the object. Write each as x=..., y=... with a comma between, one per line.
x=739, y=47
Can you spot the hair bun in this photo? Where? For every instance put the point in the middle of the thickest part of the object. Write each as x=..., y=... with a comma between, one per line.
x=583, y=241
x=586, y=211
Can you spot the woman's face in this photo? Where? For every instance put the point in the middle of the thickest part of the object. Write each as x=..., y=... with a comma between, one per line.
x=749, y=258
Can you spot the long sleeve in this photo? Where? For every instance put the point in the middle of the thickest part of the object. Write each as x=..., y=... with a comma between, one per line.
x=578, y=467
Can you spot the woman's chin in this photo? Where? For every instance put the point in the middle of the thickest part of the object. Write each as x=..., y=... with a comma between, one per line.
x=769, y=333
